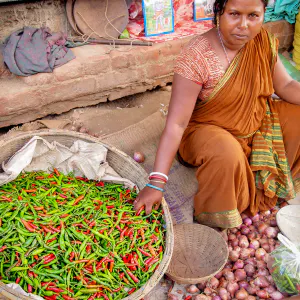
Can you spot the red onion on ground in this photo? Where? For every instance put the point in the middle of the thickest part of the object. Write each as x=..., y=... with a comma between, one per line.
x=208, y=291
x=229, y=276
x=219, y=275
x=223, y=293
x=192, y=289
x=234, y=256
x=247, y=221
x=251, y=298
x=201, y=297
x=216, y=298
x=262, y=294
x=250, y=270
x=262, y=227
x=245, y=253
x=260, y=253
x=262, y=272
x=223, y=283
x=252, y=289
x=261, y=282
x=241, y=294
x=239, y=264
x=245, y=230
x=261, y=264
x=255, y=218
x=240, y=275
x=276, y=295
x=270, y=289
x=271, y=232
x=244, y=243
x=252, y=261
x=266, y=247
x=213, y=283
x=243, y=284
x=254, y=244
x=232, y=287
x=251, y=252
x=201, y=285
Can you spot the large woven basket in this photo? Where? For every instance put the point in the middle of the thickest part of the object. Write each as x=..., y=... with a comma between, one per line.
x=122, y=164
x=199, y=253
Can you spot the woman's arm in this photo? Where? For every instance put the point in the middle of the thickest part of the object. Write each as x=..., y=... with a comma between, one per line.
x=285, y=87
x=184, y=95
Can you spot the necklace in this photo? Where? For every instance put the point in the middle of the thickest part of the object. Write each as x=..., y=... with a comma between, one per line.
x=221, y=40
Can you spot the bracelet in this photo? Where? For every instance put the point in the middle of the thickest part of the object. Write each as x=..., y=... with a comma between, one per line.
x=158, y=177
x=161, y=174
x=157, y=181
x=155, y=187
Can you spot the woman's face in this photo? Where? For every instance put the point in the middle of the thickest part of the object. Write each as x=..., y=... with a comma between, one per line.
x=241, y=21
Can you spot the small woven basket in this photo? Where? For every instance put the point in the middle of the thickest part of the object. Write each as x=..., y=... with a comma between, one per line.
x=123, y=164
x=200, y=252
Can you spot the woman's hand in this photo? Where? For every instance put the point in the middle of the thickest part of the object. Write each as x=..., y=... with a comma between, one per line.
x=148, y=197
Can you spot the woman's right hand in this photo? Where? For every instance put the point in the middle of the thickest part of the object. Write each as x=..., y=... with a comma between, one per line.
x=148, y=197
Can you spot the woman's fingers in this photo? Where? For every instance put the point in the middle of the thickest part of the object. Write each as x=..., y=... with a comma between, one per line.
x=137, y=204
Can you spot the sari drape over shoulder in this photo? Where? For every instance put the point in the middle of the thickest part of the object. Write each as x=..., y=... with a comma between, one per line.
x=241, y=105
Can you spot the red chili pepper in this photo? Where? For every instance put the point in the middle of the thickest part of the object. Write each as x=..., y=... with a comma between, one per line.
x=100, y=183
x=30, y=191
x=46, y=229
x=29, y=288
x=48, y=284
x=188, y=297
x=64, y=215
x=160, y=249
x=144, y=252
x=53, y=182
x=66, y=297
x=56, y=172
x=18, y=280
x=131, y=291
x=92, y=224
x=51, y=240
x=3, y=248
x=6, y=199
x=140, y=210
x=39, y=177
x=72, y=255
x=27, y=225
x=78, y=199
x=147, y=261
x=156, y=230
x=20, y=198
x=54, y=289
x=81, y=261
x=88, y=248
x=53, y=297
x=48, y=256
x=134, y=278
x=54, y=229
x=30, y=222
x=122, y=234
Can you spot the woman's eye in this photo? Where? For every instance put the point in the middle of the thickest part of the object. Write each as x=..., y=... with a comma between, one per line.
x=253, y=15
x=233, y=14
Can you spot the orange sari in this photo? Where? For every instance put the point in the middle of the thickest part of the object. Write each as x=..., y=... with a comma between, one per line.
x=235, y=139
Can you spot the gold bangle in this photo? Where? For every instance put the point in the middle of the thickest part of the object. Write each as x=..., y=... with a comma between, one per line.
x=157, y=181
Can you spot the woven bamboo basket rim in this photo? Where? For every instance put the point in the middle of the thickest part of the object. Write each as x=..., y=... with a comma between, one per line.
x=10, y=145
x=183, y=232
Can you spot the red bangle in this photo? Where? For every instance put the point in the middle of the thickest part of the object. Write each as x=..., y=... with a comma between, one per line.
x=158, y=177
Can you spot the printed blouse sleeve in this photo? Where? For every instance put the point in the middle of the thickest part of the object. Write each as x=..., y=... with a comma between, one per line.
x=191, y=63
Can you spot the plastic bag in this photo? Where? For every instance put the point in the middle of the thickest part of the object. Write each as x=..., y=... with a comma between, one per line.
x=284, y=266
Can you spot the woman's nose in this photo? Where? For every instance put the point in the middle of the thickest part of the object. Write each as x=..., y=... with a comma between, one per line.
x=244, y=23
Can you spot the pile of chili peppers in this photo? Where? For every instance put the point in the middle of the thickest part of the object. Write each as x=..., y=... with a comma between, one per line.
x=66, y=237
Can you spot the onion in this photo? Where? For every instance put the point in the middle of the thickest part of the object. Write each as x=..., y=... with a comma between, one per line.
x=247, y=221
x=241, y=294
x=252, y=289
x=208, y=291
x=260, y=253
x=276, y=295
x=273, y=222
x=139, y=157
x=244, y=243
x=213, y=283
x=255, y=218
x=266, y=247
x=254, y=244
x=219, y=275
x=229, y=276
x=271, y=242
x=223, y=294
x=270, y=289
x=223, y=283
x=234, y=256
x=233, y=230
x=240, y=275
x=245, y=230
x=262, y=294
x=234, y=243
x=251, y=298
x=270, y=279
x=252, y=235
x=262, y=227
x=232, y=287
x=192, y=289
x=250, y=270
x=245, y=253
x=262, y=272
x=172, y=297
x=243, y=284
x=216, y=298
x=261, y=264
x=261, y=281
x=271, y=232
x=201, y=285
x=231, y=237
x=251, y=252
x=251, y=261
x=239, y=264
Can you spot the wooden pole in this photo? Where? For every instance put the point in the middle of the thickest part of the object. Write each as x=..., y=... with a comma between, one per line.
x=111, y=42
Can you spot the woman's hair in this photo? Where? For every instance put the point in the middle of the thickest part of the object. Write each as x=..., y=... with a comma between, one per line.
x=219, y=7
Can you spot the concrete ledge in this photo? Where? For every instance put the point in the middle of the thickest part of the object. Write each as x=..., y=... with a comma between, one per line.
x=98, y=74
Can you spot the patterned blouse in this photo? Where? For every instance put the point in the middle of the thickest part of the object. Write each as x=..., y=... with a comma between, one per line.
x=199, y=62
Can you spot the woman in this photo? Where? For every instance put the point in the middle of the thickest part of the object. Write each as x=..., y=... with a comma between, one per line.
x=223, y=120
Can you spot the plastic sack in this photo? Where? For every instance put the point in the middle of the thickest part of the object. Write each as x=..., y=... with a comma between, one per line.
x=284, y=266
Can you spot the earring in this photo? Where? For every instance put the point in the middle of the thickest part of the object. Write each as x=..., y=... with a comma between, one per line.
x=218, y=21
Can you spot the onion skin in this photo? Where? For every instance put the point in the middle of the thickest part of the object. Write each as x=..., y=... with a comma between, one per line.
x=234, y=256
x=261, y=281
x=260, y=253
x=250, y=270
x=192, y=289
x=232, y=288
x=139, y=157
x=213, y=283
x=240, y=275
x=239, y=264
x=262, y=294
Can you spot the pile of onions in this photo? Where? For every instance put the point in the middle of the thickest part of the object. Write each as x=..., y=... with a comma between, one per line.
x=246, y=276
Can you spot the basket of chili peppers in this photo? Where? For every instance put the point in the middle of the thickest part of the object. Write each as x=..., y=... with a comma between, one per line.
x=67, y=237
